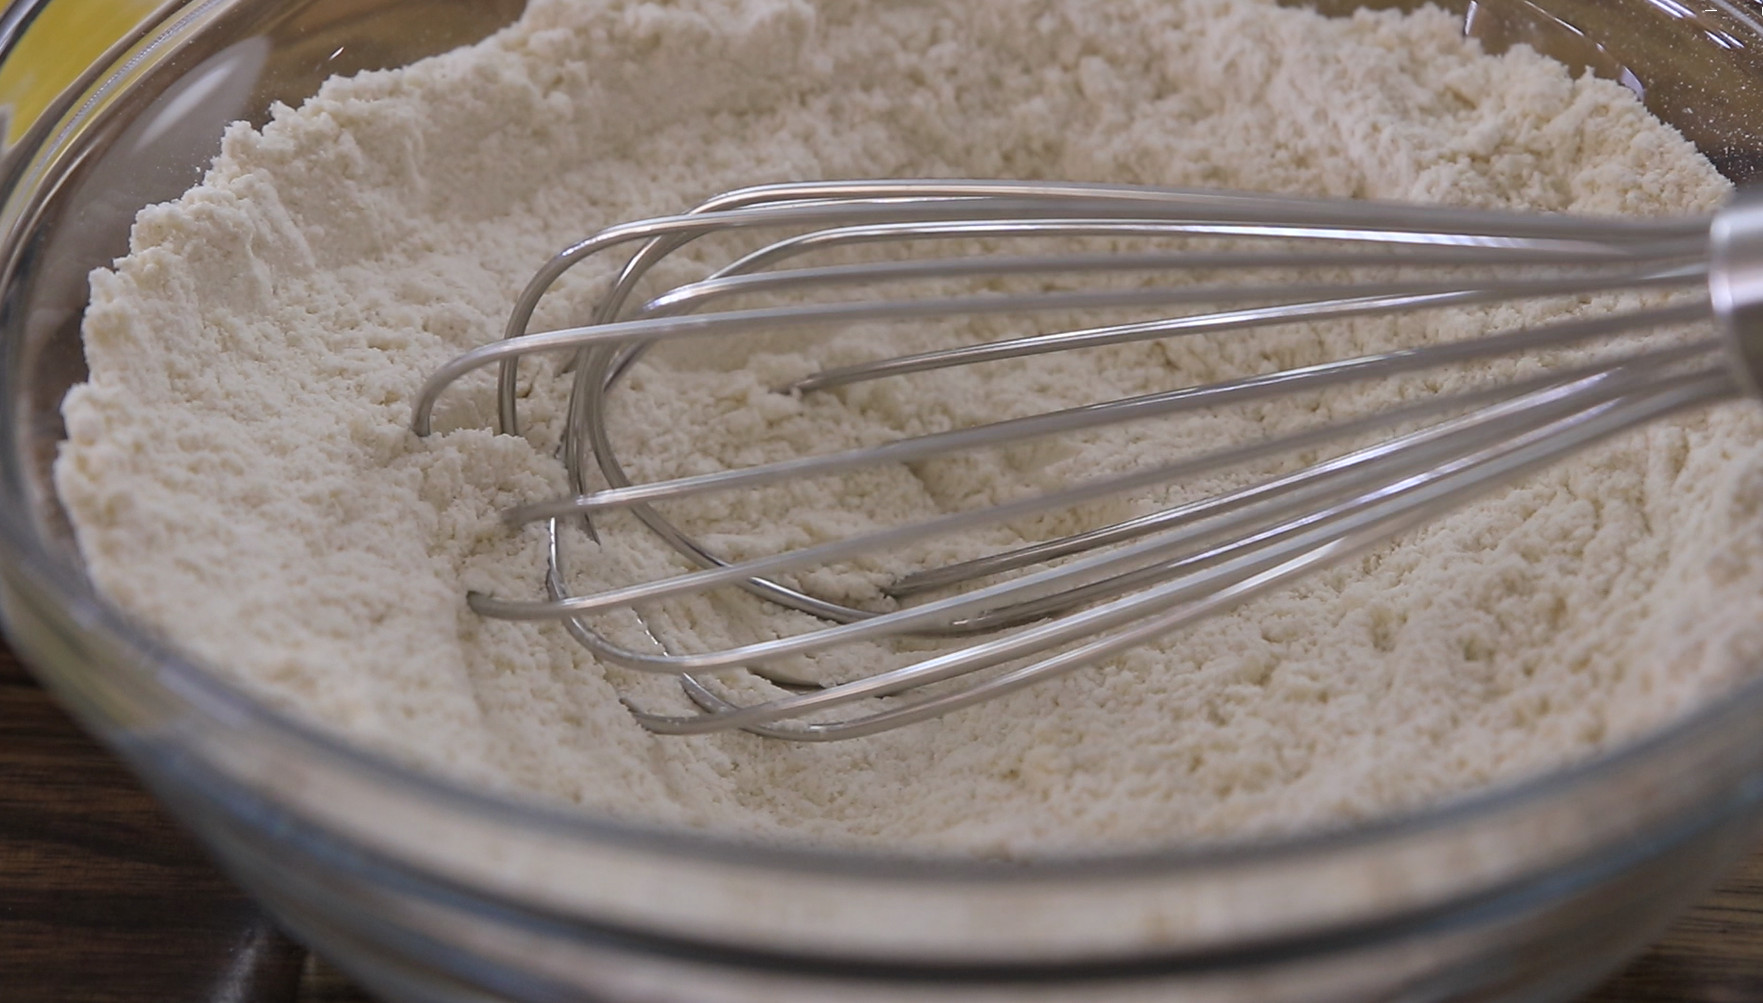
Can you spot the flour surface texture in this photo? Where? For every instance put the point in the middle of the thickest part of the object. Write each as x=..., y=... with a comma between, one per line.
x=242, y=478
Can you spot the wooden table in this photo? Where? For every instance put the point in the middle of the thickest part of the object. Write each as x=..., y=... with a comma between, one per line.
x=104, y=900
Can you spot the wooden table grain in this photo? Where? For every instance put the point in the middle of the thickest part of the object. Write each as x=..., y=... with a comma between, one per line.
x=103, y=899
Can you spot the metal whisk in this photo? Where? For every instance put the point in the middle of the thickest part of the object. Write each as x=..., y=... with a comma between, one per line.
x=1048, y=608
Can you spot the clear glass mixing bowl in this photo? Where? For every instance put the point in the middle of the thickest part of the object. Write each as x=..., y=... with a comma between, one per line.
x=427, y=891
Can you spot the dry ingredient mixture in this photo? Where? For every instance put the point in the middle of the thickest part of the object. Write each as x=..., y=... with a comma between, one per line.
x=243, y=480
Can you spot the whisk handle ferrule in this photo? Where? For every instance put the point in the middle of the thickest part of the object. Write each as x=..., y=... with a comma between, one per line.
x=1735, y=282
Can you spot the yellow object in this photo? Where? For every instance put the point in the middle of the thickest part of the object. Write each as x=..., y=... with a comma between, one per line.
x=57, y=47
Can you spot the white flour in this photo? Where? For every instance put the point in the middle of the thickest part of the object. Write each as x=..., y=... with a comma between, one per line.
x=242, y=478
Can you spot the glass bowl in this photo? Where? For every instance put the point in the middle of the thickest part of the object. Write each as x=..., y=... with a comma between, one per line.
x=424, y=890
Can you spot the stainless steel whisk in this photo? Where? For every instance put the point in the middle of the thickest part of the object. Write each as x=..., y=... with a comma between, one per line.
x=1058, y=605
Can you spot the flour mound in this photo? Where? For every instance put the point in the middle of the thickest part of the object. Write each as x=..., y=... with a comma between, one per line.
x=242, y=478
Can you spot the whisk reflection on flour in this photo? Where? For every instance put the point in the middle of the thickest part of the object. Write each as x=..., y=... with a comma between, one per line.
x=1053, y=606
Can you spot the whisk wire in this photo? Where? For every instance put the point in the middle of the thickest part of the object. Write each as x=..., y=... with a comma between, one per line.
x=827, y=204
x=1091, y=416
x=1550, y=396
x=1144, y=616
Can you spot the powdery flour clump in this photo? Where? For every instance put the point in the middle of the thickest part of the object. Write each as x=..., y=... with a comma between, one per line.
x=243, y=480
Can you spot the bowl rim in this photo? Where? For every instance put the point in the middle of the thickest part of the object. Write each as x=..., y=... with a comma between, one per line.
x=161, y=665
